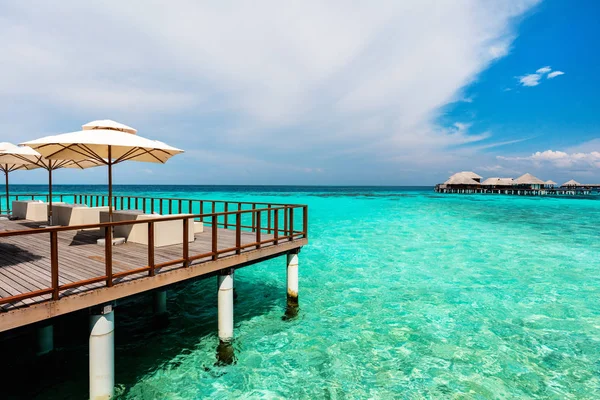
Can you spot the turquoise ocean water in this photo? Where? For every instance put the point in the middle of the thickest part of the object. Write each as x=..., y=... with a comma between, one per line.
x=404, y=294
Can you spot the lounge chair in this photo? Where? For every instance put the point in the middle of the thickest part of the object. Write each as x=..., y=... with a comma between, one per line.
x=166, y=233
x=76, y=214
x=31, y=210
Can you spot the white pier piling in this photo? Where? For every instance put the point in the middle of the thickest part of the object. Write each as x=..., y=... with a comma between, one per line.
x=45, y=339
x=102, y=353
x=225, y=305
x=292, y=279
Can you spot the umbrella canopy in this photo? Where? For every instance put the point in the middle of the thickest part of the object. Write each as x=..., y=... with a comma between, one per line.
x=528, y=179
x=107, y=142
x=30, y=159
x=9, y=163
x=572, y=182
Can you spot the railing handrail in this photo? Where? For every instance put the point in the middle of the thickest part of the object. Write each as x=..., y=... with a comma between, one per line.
x=54, y=195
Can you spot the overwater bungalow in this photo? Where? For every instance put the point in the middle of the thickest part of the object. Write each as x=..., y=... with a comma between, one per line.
x=463, y=182
x=570, y=184
x=550, y=184
x=528, y=181
x=498, y=183
x=467, y=174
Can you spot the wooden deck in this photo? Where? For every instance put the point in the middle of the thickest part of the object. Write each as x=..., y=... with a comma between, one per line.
x=25, y=267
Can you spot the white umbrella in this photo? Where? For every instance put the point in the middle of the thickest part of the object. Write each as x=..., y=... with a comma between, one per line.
x=9, y=163
x=31, y=159
x=107, y=142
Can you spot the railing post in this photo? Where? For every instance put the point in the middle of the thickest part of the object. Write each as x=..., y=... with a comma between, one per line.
x=170, y=207
x=201, y=210
x=226, y=215
x=269, y=218
x=238, y=232
x=190, y=208
x=305, y=221
x=54, y=263
x=276, y=223
x=285, y=221
x=108, y=254
x=151, y=248
x=151, y=205
x=291, y=224
x=129, y=202
x=253, y=218
x=186, y=243
x=258, y=238
x=136, y=203
x=160, y=206
x=215, y=246
x=180, y=204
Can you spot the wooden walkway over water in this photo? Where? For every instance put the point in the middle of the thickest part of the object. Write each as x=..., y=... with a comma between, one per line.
x=71, y=274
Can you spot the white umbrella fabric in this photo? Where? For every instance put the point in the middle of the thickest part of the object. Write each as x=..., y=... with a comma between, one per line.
x=31, y=159
x=107, y=142
x=10, y=163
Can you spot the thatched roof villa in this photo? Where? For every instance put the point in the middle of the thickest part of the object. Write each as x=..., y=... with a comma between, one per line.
x=498, y=182
x=462, y=180
x=530, y=181
x=571, y=183
x=468, y=174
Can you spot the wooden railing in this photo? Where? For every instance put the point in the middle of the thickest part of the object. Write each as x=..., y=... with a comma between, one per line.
x=280, y=222
x=161, y=205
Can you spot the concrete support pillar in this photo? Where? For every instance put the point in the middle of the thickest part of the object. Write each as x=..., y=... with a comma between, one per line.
x=102, y=353
x=225, y=354
x=225, y=305
x=45, y=339
x=291, y=311
x=292, y=279
x=160, y=302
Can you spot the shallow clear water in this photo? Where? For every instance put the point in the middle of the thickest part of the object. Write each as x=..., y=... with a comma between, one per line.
x=403, y=294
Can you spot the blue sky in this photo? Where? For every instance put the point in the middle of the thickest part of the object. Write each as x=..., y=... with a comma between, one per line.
x=311, y=92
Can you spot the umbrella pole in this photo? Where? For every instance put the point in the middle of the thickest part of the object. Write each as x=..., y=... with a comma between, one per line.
x=50, y=196
x=110, y=184
x=7, y=194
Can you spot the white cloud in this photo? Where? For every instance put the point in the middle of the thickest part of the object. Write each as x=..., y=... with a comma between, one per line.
x=544, y=70
x=311, y=78
x=555, y=74
x=530, y=80
x=560, y=159
x=534, y=79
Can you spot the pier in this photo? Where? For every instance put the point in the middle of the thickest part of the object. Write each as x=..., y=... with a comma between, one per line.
x=52, y=271
x=519, y=192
